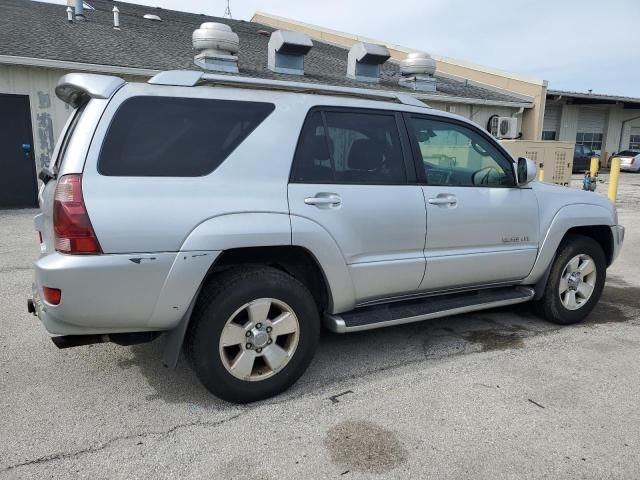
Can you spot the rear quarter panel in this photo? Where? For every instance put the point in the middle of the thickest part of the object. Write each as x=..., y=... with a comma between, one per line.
x=157, y=214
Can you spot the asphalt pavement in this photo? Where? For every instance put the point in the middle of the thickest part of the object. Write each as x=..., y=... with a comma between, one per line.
x=495, y=394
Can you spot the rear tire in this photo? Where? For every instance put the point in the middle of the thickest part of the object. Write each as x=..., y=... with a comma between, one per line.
x=253, y=333
x=575, y=282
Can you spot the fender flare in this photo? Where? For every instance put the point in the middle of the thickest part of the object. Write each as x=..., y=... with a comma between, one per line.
x=566, y=218
x=244, y=230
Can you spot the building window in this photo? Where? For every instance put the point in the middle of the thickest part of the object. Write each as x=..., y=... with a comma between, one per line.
x=592, y=140
x=634, y=141
x=548, y=135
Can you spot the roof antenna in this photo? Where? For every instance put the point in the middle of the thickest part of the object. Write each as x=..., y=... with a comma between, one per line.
x=227, y=11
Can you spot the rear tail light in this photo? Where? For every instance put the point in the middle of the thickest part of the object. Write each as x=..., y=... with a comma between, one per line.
x=633, y=160
x=72, y=227
x=52, y=295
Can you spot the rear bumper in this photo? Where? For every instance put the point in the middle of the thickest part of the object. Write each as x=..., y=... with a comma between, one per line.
x=617, y=232
x=629, y=168
x=117, y=293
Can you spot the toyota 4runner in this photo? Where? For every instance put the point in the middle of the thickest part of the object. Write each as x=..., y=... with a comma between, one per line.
x=236, y=215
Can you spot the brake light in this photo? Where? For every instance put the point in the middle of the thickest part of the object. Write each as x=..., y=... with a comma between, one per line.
x=52, y=295
x=72, y=227
x=633, y=160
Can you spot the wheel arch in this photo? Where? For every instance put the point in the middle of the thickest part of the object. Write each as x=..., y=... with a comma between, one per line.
x=585, y=219
x=295, y=260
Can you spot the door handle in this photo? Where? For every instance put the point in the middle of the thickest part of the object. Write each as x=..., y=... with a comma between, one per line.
x=324, y=200
x=443, y=200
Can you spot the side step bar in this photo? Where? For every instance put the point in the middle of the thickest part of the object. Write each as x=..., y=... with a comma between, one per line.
x=408, y=311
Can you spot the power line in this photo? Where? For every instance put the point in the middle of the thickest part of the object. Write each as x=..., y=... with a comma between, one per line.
x=227, y=12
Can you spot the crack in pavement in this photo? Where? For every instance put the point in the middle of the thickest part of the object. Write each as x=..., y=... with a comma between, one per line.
x=108, y=443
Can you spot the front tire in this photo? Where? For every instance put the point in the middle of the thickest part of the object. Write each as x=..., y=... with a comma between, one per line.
x=253, y=333
x=575, y=282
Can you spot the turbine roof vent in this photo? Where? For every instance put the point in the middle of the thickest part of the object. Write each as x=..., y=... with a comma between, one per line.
x=218, y=45
x=418, y=71
x=364, y=61
x=286, y=52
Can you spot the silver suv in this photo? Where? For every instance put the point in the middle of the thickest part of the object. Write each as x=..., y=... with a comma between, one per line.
x=236, y=215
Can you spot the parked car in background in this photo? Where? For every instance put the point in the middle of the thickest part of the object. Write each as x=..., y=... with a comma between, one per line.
x=629, y=160
x=582, y=156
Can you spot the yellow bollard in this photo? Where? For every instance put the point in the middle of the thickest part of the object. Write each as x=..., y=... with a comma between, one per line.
x=594, y=166
x=614, y=173
x=540, y=174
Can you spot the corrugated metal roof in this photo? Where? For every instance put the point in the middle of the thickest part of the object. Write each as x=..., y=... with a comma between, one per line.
x=594, y=96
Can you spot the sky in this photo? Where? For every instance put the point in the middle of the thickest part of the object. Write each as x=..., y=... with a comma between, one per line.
x=574, y=44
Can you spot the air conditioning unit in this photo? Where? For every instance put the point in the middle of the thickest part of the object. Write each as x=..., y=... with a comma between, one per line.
x=504, y=127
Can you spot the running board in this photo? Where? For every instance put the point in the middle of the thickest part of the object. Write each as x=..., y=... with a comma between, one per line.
x=408, y=311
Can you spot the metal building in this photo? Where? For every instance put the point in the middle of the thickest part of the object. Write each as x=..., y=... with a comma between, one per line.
x=605, y=123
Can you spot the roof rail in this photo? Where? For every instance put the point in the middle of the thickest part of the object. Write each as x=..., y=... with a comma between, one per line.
x=191, y=78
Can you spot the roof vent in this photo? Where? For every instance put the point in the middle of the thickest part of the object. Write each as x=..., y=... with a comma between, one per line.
x=79, y=10
x=418, y=71
x=365, y=60
x=287, y=51
x=151, y=16
x=218, y=45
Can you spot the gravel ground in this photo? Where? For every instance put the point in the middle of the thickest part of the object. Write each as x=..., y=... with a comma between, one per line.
x=496, y=394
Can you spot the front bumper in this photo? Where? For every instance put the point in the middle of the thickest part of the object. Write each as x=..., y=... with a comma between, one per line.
x=617, y=232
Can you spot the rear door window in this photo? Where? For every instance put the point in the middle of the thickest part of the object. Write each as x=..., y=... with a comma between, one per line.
x=351, y=148
x=176, y=137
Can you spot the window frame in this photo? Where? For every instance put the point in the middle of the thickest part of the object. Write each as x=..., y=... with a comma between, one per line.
x=407, y=155
x=113, y=115
x=419, y=161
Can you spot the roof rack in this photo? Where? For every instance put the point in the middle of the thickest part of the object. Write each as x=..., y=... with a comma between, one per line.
x=192, y=78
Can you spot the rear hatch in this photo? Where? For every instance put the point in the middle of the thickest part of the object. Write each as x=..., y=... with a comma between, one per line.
x=44, y=221
x=88, y=95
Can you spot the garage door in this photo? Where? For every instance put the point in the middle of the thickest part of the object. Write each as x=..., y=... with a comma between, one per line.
x=551, y=124
x=591, y=124
x=18, y=184
x=634, y=138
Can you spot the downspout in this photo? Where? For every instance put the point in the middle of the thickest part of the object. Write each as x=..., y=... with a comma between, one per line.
x=624, y=122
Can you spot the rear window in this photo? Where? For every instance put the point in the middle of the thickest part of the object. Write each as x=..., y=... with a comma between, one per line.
x=176, y=137
x=628, y=153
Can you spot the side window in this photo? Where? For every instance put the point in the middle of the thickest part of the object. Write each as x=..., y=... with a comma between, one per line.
x=456, y=155
x=350, y=148
x=578, y=151
x=176, y=137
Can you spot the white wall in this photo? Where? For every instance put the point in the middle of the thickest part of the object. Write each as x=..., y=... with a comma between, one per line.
x=616, y=117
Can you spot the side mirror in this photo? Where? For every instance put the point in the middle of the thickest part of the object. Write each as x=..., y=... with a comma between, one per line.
x=526, y=171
